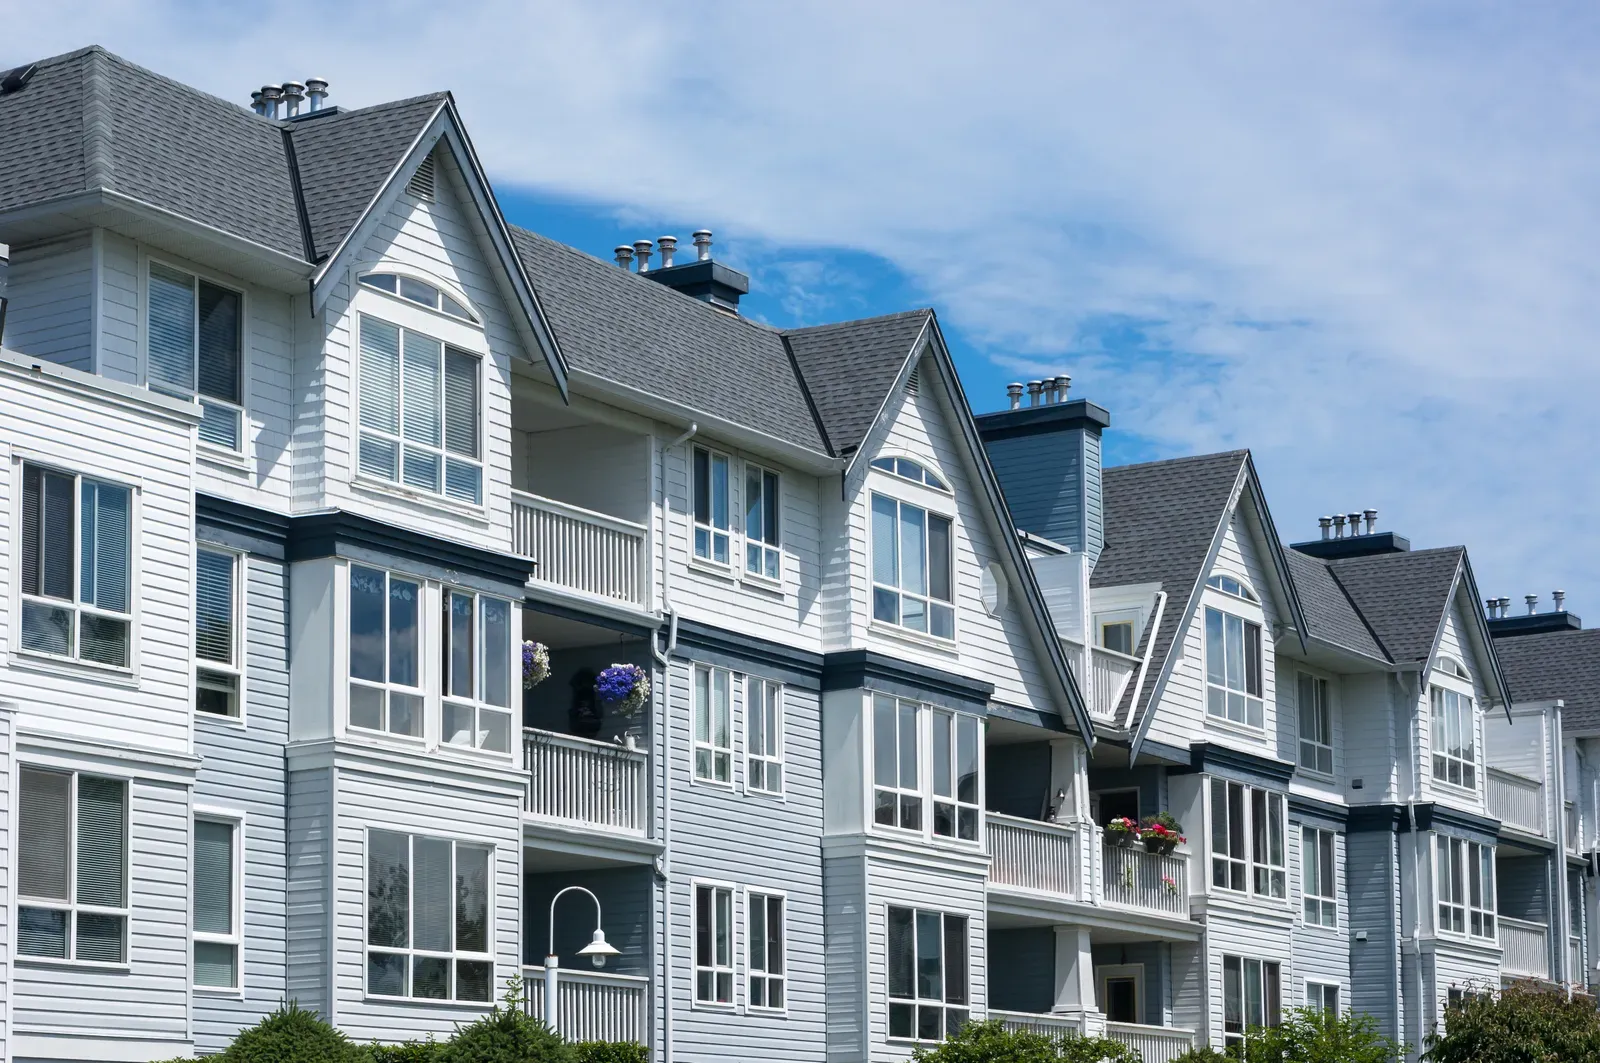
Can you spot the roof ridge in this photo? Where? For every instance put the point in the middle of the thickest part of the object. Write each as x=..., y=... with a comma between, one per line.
x=1239, y=455
x=99, y=127
x=296, y=125
x=857, y=321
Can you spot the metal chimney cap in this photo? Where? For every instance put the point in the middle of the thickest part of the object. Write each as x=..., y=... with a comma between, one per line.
x=624, y=253
x=316, y=84
x=641, y=251
x=1532, y=601
x=272, y=92
x=702, y=244
x=669, y=247
x=294, y=88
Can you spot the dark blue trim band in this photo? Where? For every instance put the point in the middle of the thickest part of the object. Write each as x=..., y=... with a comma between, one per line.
x=350, y=535
x=1236, y=764
x=746, y=653
x=240, y=527
x=1316, y=813
x=868, y=669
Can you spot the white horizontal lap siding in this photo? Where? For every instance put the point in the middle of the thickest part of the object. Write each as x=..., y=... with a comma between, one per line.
x=915, y=885
x=269, y=356
x=994, y=649
x=1251, y=936
x=119, y=309
x=1374, y=735
x=844, y=892
x=435, y=240
x=307, y=888
x=440, y=810
x=719, y=596
x=51, y=312
x=150, y=999
x=1453, y=644
x=1321, y=954
x=756, y=842
x=80, y=433
x=313, y=377
x=243, y=770
x=1460, y=966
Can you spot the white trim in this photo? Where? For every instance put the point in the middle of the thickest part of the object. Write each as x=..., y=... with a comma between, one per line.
x=241, y=639
x=782, y=978
x=1321, y=899
x=359, y=270
x=1337, y=987
x=478, y=702
x=236, y=819
x=715, y=970
x=712, y=750
x=243, y=454
x=733, y=566
x=917, y=1002
x=928, y=600
x=776, y=731
x=745, y=574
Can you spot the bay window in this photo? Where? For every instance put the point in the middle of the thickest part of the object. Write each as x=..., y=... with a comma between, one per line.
x=1455, y=738
x=955, y=776
x=1318, y=889
x=926, y=769
x=1250, y=998
x=911, y=568
x=1247, y=840
x=385, y=658
x=713, y=724
x=1233, y=668
x=217, y=893
x=765, y=932
x=72, y=866
x=76, y=567
x=477, y=671
x=711, y=506
x=428, y=916
x=217, y=635
x=896, y=756
x=713, y=944
x=928, y=997
x=419, y=412
x=194, y=350
x=1316, y=725
x=1464, y=885
x=763, y=555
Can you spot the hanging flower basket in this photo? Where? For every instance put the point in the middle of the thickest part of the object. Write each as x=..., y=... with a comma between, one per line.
x=1159, y=839
x=623, y=688
x=535, y=664
x=1122, y=831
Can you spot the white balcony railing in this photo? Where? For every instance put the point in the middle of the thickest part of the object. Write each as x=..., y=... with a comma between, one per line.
x=1576, y=975
x=1112, y=670
x=1133, y=878
x=582, y=782
x=1574, y=828
x=580, y=550
x=1526, y=952
x=1049, y=1025
x=592, y=1005
x=1032, y=855
x=1516, y=801
x=1155, y=1044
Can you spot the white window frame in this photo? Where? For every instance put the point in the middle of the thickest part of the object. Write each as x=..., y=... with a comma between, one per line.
x=477, y=704
x=767, y=544
x=758, y=897
x=238, y=409
x=1270, y=1016
x=1317, y=996
x=1317, y=746
x=1104, y=625
x=1252, y=866
x=1317, y=908
x=928, y=600
x=945, y=1006
x=903, y=796
x=410, y=951
x=1240, y=589
x=1447, y=718
x=236, y=669
x=388, y=686
x=924, y=468
x=716, y=970
x=960, y=810
x=1108, y=972
x=1457, y=863
x=450, y=292
x=235, y=820
x=72, y=907
x=1252, y=711
x=709, y=531
x=715, y=754
x=769, y=759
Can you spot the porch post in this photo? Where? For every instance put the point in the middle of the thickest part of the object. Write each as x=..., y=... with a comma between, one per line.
x=1066, y=778
x=1075, y=979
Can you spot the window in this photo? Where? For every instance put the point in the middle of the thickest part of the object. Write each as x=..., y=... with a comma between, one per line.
x=711, y=506
x=194, y=349
x=1118, y=636
x=1250, y=998
x=713, y=724
x=763, y=555
x=1247, y=830
x=907, y=469
x=217, y=890
x=1316, y=725
x=72, y=864
x=911, y=572
x=765, y=935
x=419, y=292
x=1233, y=668
x=1317, y=883
x=419, y=412
x=477, y=671
x=1454, y=739
x=1120, y=988
x=763, y=740
x=428, y=918
x=1322, y=998
x=385, y=665
x=217, y=632
x=896, y=793
x=1465, y=886
x=1229, y=585
x=76, y=566
x=713, y=944
x=955, y=776
x=927, y=974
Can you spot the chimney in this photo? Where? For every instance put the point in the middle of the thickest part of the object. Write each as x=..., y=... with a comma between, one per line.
x=1326, y=524
x=270, y=95
x=1560, y=600
x=293, y=93
x=641, y=251
x=5, y=268
x=1014, y=395
x=702, y=245
x=1342, y=536
x=317, y=93
x=669, y=247
x=704, y=279
x=624, y=253
x=1372, y=520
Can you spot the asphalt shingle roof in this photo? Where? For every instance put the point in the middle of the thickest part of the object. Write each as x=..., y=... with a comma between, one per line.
x=1558, y=664
x=850, y=367
x=1402, y=597
x=1330, y=615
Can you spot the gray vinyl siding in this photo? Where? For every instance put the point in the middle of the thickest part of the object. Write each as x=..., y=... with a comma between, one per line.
x=627, y=898
x=754, y=842
x=51, y=310
x=1321, y=954
x=242, y=769
x=1374, y=908
x=308, y=887
x=845, y=899
x=1522, y=888
x=7, y=739
x=1154, y=957
x=1022, y=969
x=1018, y=779
x=1051, y=483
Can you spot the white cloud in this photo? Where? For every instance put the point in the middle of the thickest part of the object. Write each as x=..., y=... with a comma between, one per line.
x=1356, y=238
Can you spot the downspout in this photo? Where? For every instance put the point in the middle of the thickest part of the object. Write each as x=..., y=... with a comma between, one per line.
x=1564, y=906
x=664, y=658
x=1413, y=783
x=1149, y=650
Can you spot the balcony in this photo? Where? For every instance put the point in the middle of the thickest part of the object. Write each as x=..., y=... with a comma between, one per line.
x=1033, y=855
x=1042, y=858
x=592, y=1005
x=1574, y=828
x=596, y=556
x=1516, y=801
x=1576, y=975
x=1130, y=877
x=1156, y=1044
x=581, y=782
x=1112, y=670
x=1526, y=949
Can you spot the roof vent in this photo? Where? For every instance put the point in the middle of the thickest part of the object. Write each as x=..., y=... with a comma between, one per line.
x=1503, y=625
x=624, y=253
x=911, y=381
x=1014, y=395
x=270, y=95
x=669, y=247
x=703, y=279
x=421, y=184
x=1343, y=535
x=641, y=251
x=15, y=79
x=294, y=93
x=316, y=93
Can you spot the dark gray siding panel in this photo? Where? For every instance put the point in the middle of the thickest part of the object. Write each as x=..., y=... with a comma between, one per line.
x=1374, y=908
x=309, y=888
x=1022, y=969
x=1042, y=479
x=1019, y=779
x=844, y=893
x=1522, y=888
x=626, y=897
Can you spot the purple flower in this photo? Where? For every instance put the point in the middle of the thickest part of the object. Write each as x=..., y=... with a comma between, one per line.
x=624, y=687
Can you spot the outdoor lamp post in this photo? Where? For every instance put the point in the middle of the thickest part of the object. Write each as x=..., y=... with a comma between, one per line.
x=597, y=949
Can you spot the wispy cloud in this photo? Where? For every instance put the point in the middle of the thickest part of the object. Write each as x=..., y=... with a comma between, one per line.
x=1357, y=238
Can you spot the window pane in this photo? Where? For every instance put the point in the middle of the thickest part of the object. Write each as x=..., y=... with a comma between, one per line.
x=170, y=337
x=724, y=927
x=43, y=855
x=463, y=482
x=1235, y=645
x=216, y=964
x=379, y=457
x=752, y=503
x=719, y=491
x=1216, y=671
x=405, y=602
x=430, y=977
x=885, y=540
x=722, y=704
x=382, y=281
x=219, y=343
x=473, y=978
x=769, y=509
x=99, y=937
x=930, y=942
x=472, y=899
x=380, y=378
x=460, y=403
x=955, y=959
x=213, y=613
x=939, y=558
x=775, y=941
x=42, y=932
x=367, y=593
x=104, y=641
x=421, y=389
x=101, y=841
x=388, y=889
x=418, y=292
x=1252, y=660
x=967, y=759
x=104, y=579
x=1253, y=1012
x=702, y=924
x=943, y=741
x=459, y=655
x=213, y=877
x=913, y=550
x=1219, y=818
x=884, y=741
x=908, y=747
x=758, y=933
x=386, y=974
x=702, y=705
x=702, y=487
x=496, y=651
x=902, y=957
x=431, y=886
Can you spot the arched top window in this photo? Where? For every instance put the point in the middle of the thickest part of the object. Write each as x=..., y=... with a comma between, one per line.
x=417, y=291
x=1448, y=665
x=1236, y=587
x=907, y=469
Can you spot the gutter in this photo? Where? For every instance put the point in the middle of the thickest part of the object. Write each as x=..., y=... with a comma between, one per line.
x=1144, y=666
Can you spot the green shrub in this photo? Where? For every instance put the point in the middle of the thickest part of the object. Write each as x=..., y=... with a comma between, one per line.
x=991, y=1042
x=292, y=1035
x=1523, y=1023
x=409, y=1052
x=609, y=1052
x=1204, y=1054
x=1308, y=1036
x=506, y=1035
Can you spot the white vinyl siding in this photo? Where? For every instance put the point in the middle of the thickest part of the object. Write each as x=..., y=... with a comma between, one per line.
x=428, y=921
x=217, y=895
x=194, y=348
x=72, y=866
x=77, y=594
x=218, y=632
x=477, y=679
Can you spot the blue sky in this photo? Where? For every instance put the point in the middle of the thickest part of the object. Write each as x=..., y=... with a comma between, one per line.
x=1357, y=238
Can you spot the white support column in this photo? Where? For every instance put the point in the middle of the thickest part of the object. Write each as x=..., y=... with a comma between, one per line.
x=1075, y=980
x=1068, y=777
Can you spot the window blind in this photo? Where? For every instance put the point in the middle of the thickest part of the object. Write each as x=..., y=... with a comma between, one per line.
x=219, y=343
x=388, y=889
x=431, y=883
x=101, y=845
x=472, y=899
x=103, y=581
x=213, y=877
x=43, y=854
x=214, y=609
x=380, y=396
x=460, y=403
x=171, y=339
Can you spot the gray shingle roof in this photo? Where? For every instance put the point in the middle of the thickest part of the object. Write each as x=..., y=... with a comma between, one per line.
x=850, y=367
x=1559, y=664
x=1330, y=615
x=1161, y=518
x=1402, y=597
